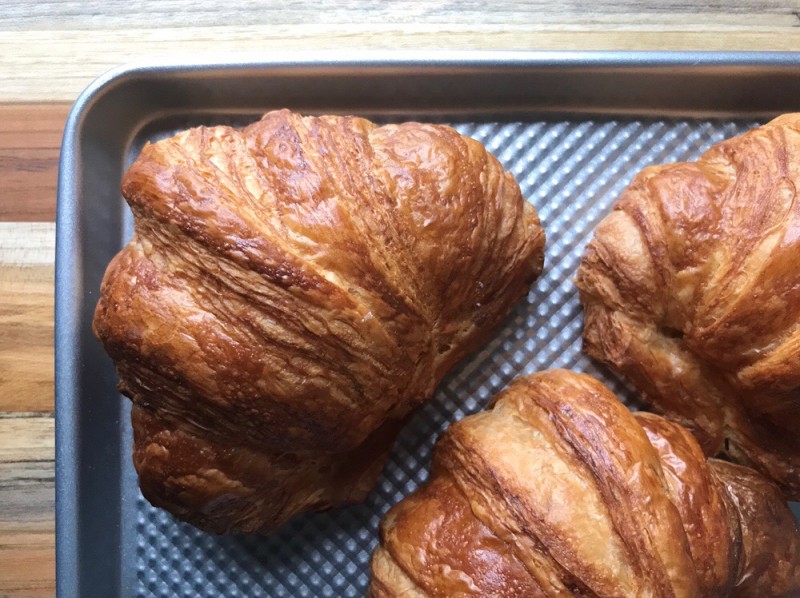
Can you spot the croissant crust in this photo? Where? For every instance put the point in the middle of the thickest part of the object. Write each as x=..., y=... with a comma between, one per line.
x=691, y=290
x=291, y=293
x=558, y=490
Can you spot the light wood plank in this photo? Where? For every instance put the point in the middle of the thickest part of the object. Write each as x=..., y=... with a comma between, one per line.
x=55, y=65
x=121, y=14
x=27, y=243
x=27, y=253
x=27, y=439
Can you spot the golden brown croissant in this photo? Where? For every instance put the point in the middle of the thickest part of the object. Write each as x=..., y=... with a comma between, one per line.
x=691, y=290
x=558, y=490
x=291, y=293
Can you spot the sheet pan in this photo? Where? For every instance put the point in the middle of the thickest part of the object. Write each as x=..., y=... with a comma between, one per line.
x=573, y=128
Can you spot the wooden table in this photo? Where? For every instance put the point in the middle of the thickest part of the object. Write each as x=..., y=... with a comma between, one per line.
x=50, y=51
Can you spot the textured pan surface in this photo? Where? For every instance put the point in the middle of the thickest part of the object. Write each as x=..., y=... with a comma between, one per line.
x=112, y=542
x=572, y=171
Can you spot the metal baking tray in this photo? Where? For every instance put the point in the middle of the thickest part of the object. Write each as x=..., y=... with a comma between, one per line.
x=572, y=127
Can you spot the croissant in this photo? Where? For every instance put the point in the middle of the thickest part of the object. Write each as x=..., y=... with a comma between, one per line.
x=291, y=293
x=691, y=290
x=558, y=490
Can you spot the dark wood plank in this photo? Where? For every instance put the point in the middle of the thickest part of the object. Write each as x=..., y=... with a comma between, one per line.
x=30, y=138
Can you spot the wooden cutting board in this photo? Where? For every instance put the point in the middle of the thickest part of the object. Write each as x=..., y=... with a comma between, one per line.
x=50, y=51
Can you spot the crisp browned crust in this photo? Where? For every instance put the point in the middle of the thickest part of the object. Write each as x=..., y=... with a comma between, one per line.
x=558, y=490
x=292, y=291
x=691, y=290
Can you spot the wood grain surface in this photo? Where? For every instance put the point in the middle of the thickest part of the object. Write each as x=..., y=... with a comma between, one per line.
x=52, y=50
x=30, y=136
x=49, y=51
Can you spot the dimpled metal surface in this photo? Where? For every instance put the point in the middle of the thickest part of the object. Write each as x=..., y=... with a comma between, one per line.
x=572, y=171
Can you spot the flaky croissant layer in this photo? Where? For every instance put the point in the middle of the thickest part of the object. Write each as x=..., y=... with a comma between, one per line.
x=558, y=490
x=691, y=290
x=292, y=292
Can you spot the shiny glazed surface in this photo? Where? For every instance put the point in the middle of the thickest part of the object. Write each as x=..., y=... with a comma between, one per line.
x=558, y=490
x=292, y=292
x=691, y=290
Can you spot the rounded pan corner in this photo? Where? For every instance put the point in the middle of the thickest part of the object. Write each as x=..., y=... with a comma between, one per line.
x=97, y=89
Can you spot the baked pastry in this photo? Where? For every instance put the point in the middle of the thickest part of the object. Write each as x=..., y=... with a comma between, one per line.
x=558, y=490
x=291, y=293
x=691, y=291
